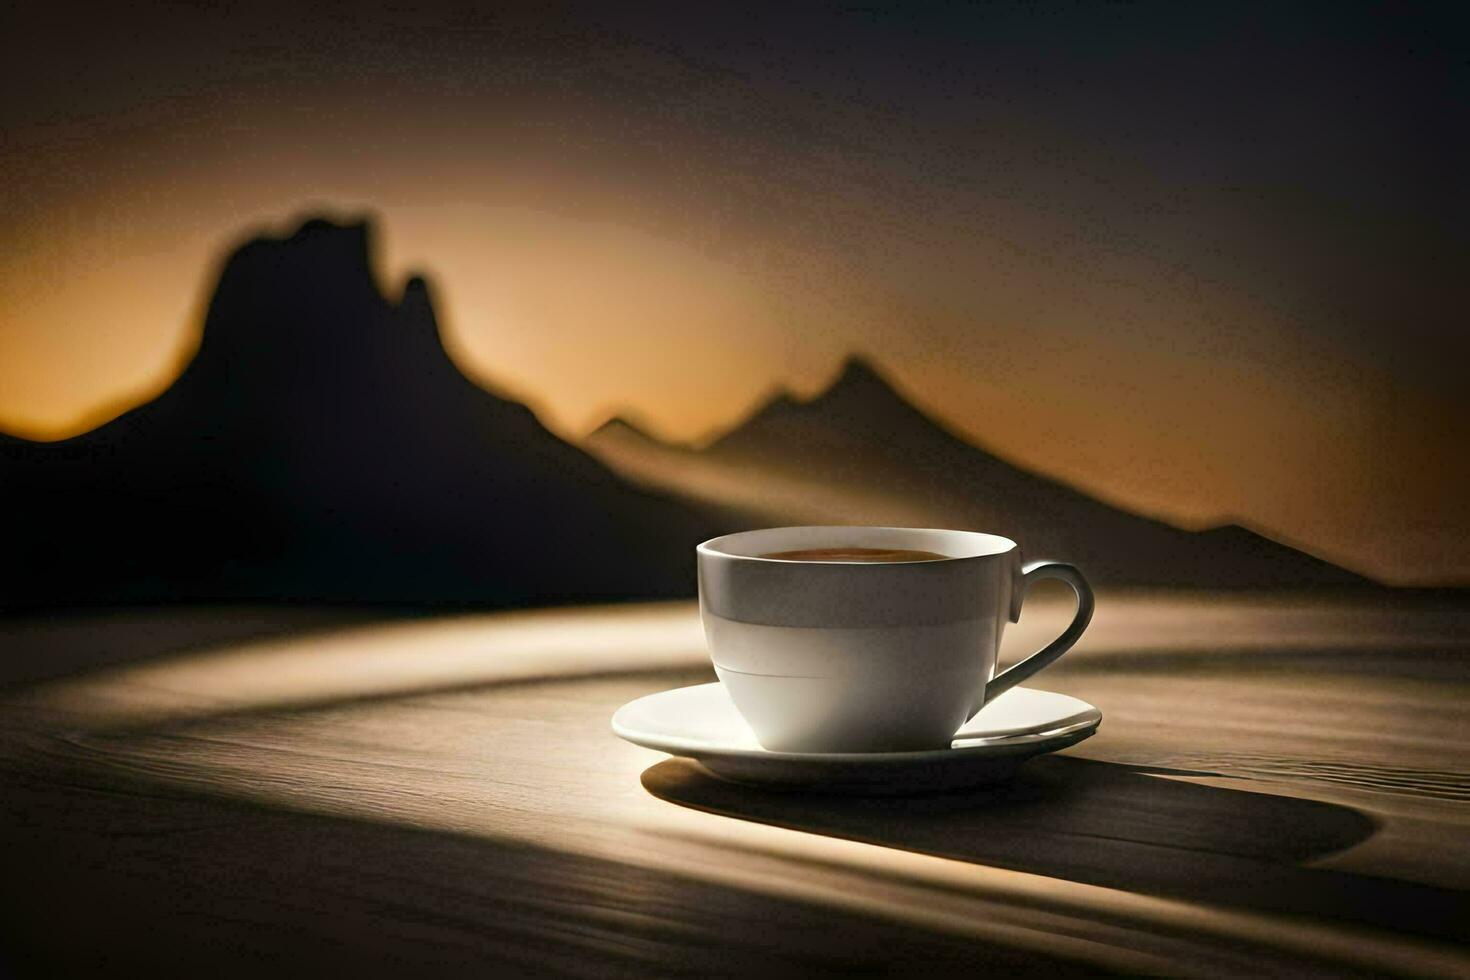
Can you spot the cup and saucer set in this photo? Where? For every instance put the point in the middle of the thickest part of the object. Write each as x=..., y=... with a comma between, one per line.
x=862, y=659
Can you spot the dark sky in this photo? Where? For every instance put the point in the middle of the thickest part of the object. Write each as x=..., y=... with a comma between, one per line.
x=1207, y=261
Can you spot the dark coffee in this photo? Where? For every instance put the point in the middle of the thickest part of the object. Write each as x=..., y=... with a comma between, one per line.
x=856, y=554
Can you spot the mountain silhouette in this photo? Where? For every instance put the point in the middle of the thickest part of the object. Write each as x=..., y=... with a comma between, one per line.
x=322, y=445
x=860, y=453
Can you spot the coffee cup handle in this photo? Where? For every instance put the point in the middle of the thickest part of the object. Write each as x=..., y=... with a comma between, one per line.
x=1047, y=655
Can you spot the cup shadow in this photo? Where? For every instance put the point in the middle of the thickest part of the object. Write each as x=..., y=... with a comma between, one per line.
x=1113, y=825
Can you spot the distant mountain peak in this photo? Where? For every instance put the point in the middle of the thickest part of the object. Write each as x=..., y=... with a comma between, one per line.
x=861, y=395
x=319, y=247
x=859, y=400
x=417, y=300
x=858, y=368
x=859, y=380
x=619, y=427
x=292, y=308
x=859, y=387
x=614, y=425
x=321, y=228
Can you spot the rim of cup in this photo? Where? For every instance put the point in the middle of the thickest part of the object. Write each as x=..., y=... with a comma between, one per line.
x=982, y=544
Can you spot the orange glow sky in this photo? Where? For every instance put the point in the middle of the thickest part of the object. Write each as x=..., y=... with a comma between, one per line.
x=1182, y=297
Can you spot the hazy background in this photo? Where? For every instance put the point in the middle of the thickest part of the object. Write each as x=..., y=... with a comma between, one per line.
x=1202, y=262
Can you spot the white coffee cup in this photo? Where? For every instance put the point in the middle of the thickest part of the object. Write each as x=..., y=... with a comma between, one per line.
x=851, y=656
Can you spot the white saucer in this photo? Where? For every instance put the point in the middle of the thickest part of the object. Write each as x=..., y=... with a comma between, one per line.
x=700, y=723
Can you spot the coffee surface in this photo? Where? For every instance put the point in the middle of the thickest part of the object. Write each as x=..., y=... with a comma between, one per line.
x=856, y=554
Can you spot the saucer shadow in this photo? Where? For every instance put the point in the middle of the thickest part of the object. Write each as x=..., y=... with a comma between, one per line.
x=1112, y=825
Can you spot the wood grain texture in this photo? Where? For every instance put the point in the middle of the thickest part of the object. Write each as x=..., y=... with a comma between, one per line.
x=1278, y=787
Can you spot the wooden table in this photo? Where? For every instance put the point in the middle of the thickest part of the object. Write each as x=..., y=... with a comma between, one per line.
x=1278, y=786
